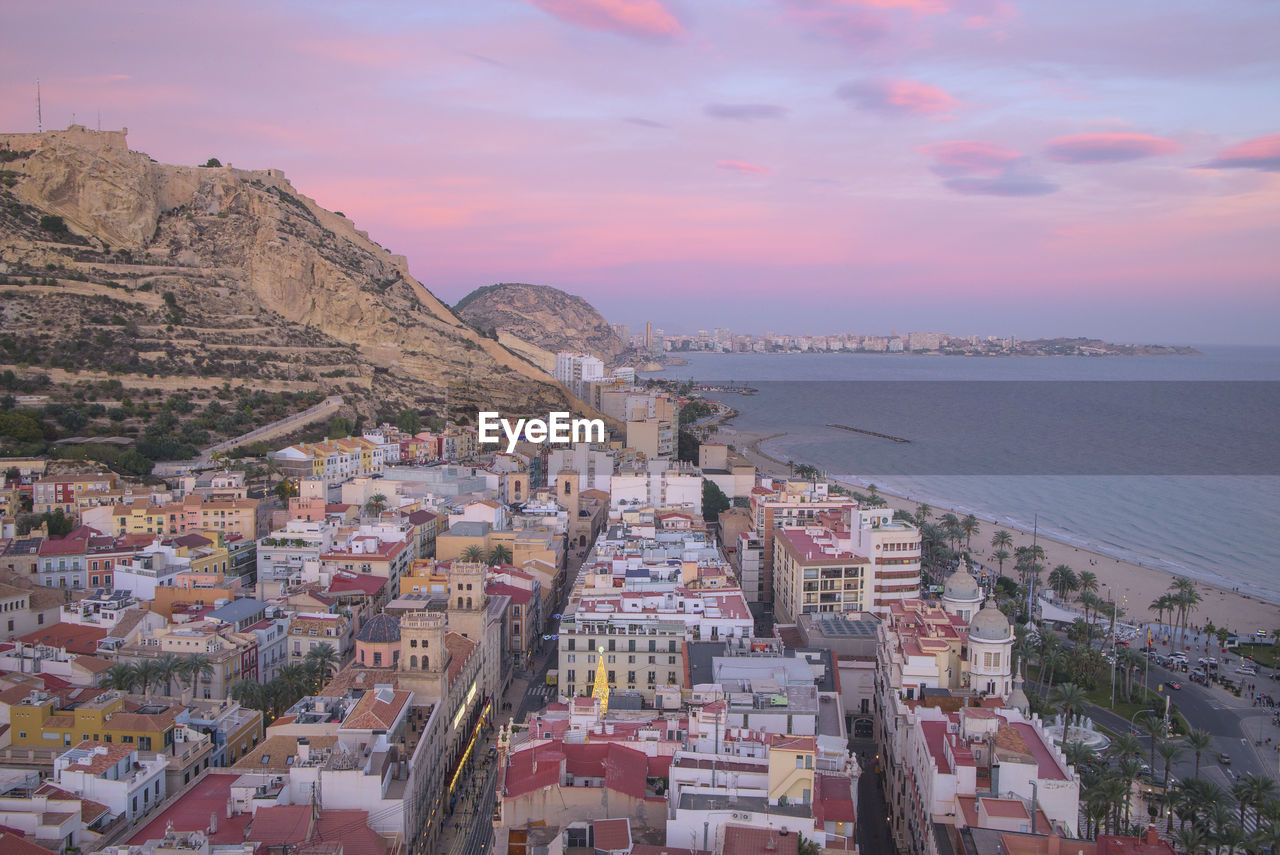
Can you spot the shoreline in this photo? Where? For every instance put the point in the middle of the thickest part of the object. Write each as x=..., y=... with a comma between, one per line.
x=1132, y=585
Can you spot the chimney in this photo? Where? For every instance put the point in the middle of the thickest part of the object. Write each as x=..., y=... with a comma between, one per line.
x=1152, y=837
x=304, y=749
x=1055, y=843
x=213, y=823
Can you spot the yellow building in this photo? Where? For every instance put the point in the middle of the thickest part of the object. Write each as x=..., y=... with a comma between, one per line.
x=791, y=763
x=39, y=722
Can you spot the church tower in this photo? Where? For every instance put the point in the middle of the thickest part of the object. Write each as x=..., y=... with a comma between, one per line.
x=467, y=599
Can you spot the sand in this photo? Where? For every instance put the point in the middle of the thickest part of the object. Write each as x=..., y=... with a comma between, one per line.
x=1132, y=586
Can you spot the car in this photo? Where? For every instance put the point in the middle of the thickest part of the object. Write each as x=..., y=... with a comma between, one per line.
x=1247, y=670
x=1224, y=758
x=1172, y=684
x=1261, y=633
x=1122, y=644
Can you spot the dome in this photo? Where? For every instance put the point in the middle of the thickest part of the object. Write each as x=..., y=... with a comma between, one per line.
x=961, y=586
x=380, y=629
x=990, y=624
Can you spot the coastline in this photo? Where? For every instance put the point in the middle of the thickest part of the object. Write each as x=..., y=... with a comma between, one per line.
x=1133, y=586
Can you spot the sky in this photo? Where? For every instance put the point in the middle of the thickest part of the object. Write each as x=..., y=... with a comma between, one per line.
x=805, y=166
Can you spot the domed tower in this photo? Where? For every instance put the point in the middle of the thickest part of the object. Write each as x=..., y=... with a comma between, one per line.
x=378, y=642
x=991, y=651
x=961, y=595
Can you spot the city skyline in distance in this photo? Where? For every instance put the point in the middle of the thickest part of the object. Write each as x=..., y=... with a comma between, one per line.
x=958, y=165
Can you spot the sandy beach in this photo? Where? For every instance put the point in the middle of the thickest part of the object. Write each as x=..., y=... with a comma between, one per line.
x=1130, y=585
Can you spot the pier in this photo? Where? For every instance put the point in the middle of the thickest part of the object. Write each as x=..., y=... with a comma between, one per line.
x=711, y=387
x=868, y=433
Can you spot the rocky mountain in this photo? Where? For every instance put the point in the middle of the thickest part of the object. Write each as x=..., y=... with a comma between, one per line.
x=541, y=318
x=187, y=277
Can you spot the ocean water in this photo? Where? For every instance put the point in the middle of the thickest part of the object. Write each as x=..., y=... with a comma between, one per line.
x=1168, y=461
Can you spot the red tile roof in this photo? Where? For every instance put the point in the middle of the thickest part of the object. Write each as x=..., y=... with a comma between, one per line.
x=751, y=840
x=281, y=824
x=372, y=712
x=345, y=583
x=502, y=589
x=205, y=798
x=75, y=639
x=104, y=755
x=612, y=835
x=12, y=844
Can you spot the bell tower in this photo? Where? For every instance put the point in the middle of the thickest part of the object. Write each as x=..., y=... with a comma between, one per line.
x=467, y=599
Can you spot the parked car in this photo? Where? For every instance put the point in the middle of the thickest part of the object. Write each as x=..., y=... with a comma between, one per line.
x=1224, y=758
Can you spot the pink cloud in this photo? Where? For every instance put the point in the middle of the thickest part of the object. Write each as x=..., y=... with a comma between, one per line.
x=1108, y=147
x=743, y=167
x=967, y=157
x=637, y=18
x=1258, y=153
x=898, y=97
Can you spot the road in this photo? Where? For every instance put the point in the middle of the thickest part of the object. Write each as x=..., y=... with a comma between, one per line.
x=288, y=424
x=872, y=830
x=1234, y=723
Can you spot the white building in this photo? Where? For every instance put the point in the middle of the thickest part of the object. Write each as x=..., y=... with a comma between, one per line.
x=113, y=774
x=576, y=369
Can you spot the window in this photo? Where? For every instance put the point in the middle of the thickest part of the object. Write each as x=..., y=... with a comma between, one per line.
x=799, y=762
x=612, y=677
x=144, y=743
x=631, y=676
x=653, y=677
x=572, y=675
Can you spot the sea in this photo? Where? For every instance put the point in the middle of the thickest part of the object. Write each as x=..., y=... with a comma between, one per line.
x=1172, y=462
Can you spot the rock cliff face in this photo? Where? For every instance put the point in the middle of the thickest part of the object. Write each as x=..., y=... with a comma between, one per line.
x=546, y=318
x=256, y=279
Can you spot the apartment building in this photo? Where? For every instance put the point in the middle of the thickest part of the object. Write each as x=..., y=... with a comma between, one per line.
x=789, y=504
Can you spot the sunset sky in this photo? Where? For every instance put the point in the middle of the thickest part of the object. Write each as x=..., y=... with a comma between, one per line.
x=967, y=166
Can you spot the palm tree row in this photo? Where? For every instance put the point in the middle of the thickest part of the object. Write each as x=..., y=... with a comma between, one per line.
x=147, y=674
x=500, y=554
x=292, y=683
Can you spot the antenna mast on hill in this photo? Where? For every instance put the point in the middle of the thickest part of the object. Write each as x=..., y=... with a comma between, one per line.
x=39, y=117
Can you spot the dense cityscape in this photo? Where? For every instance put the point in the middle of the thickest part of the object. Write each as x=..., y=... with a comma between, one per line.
x=414, y=642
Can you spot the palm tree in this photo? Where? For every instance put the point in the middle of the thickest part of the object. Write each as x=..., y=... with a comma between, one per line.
x=1199, y=740
x=1000, y=556
x=1129, y=767
x=249, y=693
x=324, y=658
x=1170, y=752
x=922, y=514
x=1050, y=661
x=473, y=554
x=1192, y=840
x=1068, y=697
x=195, y=667
x=1160, y=605
x=148, y=673
x=1097, y=808
x=969, y=525
x=168, y=667
x=500, y=554
x=1059, y=581
x=1230, y=835
x=293, y=680
x=376, y=505
x=1001, y=540
x=121, y=676
x=1153, y=727
x=1254, y=789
